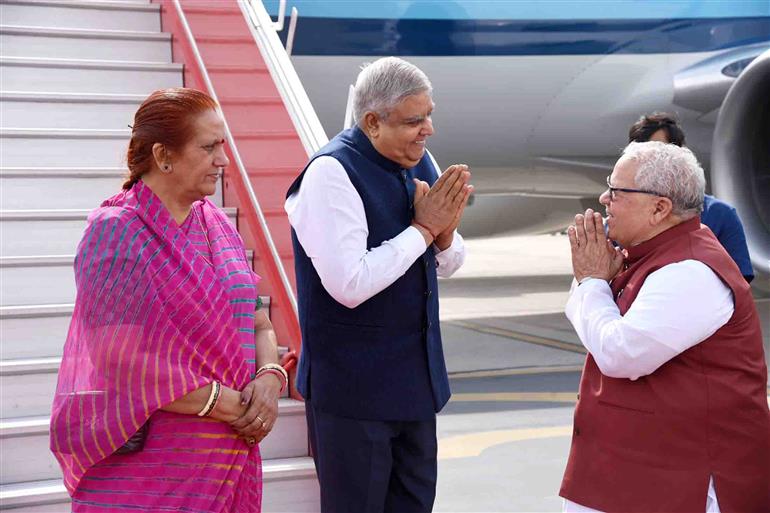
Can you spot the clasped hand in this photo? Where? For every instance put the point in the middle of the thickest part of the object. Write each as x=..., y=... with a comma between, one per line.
x=440, y=208
x=593, y=254
x=260, y=397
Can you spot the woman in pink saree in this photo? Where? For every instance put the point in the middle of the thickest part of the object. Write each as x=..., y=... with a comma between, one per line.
x=166, y=346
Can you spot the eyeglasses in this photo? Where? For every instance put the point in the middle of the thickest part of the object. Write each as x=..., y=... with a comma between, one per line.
x=613, y=190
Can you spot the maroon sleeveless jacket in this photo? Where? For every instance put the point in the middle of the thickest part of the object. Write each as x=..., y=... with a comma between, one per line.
x=651, y=444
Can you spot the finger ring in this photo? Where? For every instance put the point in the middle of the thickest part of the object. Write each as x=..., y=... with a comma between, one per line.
x=260, y=420
x=251, y=441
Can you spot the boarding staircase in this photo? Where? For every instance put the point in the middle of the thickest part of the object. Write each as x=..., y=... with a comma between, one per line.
x=72, y=73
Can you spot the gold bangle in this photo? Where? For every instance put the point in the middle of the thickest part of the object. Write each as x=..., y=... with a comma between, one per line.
x=212, y=401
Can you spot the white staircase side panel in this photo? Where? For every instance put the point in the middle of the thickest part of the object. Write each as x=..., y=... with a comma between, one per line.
x=40, y=332
x=61, y=111
x=25, y=233
x=64, y=190
x=18, y=42
x=27, y=456
x=82, y=15
x=51, y=75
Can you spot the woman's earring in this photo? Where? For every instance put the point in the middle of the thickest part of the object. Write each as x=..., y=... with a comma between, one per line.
x=166, y=168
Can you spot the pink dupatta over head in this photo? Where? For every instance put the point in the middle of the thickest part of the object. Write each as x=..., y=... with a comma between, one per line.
x=153, y=321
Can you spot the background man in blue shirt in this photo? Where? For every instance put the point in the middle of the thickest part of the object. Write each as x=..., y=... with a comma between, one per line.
x=721, y=217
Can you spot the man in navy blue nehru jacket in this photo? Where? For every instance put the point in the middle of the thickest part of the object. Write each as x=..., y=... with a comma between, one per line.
x=373, y=225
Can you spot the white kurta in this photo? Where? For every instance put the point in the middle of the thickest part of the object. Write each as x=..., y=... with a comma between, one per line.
x=678, y=306
x=328, y=216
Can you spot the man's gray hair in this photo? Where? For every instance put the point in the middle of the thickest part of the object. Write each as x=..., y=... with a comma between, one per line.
x=382, y=84
x=670, y=171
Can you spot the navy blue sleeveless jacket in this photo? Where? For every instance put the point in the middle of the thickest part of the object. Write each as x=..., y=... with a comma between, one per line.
x=383, y=359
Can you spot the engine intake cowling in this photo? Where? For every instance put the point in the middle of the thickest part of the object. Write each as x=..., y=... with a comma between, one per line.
x=740, y=159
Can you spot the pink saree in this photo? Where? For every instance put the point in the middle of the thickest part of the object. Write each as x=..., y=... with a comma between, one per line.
x=161, y=310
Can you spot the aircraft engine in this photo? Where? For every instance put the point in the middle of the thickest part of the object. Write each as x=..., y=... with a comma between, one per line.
x=740, y=159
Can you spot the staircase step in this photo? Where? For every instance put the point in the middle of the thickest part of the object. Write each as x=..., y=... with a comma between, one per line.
x=290, y=485
x=63, y=188
x=68, y=43
x=211, y=7
x=232, y=51
x=39, y=331
x=233, y=80
x=275, y=153
x=68, y=110
x=54, y=147
x=34, y=331
x=27, y=455
x=39, y=496
x=36, y=280
x=48, y=232
x=27, y=388
x=87, y=76
x=229, y=20
x=106, y=15
x=39, y=280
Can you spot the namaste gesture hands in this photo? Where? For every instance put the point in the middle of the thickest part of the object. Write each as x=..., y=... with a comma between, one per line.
x=439, y=209
x=593, y=254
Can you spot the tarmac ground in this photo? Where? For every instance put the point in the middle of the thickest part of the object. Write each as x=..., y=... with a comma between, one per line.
x=514, y=364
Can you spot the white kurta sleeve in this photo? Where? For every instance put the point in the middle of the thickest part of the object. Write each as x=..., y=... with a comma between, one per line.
x=452, y=258
x=677, y=307
x=328, y=216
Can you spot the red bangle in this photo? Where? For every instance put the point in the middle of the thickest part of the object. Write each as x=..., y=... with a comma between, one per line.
x=424, y=228
x=276, y=373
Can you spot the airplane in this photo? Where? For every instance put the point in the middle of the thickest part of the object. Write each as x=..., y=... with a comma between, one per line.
x=537, y=97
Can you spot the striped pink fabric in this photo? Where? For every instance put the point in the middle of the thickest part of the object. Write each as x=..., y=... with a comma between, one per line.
x=158, y=314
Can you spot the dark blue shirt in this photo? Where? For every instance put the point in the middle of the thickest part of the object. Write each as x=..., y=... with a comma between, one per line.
x=726, y=225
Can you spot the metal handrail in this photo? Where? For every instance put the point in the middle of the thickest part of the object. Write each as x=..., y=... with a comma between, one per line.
x=238, y=162
x=295, y=99
x=292, y=31
x=349, y=108
x=278, y=25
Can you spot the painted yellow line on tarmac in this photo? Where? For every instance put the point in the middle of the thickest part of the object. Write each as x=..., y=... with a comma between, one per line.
x=514, y=372
x=546, y=397
x=473, y=444
x=517, y=335
x=467, y=446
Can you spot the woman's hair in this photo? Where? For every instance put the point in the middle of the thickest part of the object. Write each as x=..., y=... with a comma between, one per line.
x=381, y=85
x=165, y=117
x=645, y=126
x=670, y=171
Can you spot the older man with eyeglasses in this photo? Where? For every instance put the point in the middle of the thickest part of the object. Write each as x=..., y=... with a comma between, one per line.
x=672, y=413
